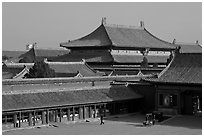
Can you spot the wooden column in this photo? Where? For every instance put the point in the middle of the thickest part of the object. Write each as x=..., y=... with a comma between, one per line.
x=156, y=99
x=56, y=115
x=60, y=111
x=43, y=117
x=80, y=112
x=114, y=108
x=68, y=114
x=47, y=116
x=29, y=118
x=92, y=83
x=94, y=111
x=5, y=119
x=15, y=120
x=104, y=110
x=34, y=118
x=84, y=112
x=53, y=115
x=90, y=112
x=73, y=114
x=19, y=119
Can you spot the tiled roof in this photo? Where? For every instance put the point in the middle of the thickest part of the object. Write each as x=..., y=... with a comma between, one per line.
x=139, y=58
x=9, y=72
x=72, y=67
x=50, y=52
x=186, y=68
x=38, y=54
x=189, y=47
x=65, y=69
x=89, y=56
x=61, y=97
x=105, y=56
x=13, y=54
x=98, y=38
x=119, y=37
x=135, y=37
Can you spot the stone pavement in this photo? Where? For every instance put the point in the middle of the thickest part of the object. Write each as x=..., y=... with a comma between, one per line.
x=120, y=125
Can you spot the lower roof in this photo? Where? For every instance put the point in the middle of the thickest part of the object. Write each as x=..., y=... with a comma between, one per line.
x=63, y=97
x=186, y=68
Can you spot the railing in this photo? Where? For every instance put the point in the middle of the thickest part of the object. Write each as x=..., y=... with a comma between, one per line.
x=70, y=80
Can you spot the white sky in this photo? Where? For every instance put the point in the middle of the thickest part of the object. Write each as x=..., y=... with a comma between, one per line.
x=49, y=24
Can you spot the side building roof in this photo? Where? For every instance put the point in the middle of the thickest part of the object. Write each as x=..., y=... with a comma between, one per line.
x=38, y=54
x=189, y=47
x=119, y=37
x=62, y=69
x=73, y=67
x=186, y=68
x=63, y=97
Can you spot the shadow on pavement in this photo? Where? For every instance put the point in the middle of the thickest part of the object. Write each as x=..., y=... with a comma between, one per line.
x=191, y=122
x=129, y=118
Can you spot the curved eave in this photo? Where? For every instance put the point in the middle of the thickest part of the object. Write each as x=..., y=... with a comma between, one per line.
x=172, y=83
x=171, y=46
x=142, y=48
x=85, y=47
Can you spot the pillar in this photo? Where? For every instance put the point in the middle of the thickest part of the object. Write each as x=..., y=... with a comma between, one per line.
x=114, y=108
x=104, y=110
x=19, y=119
x=94, y=111
x=15, y=120
x=29, y=118
x=84, y=112
x=80, y=112
x=60, y=111
x=34, y=118
x=5, y=119
x=92, y=83
x=73, y=114
x=56, y=115
x=43, y=117
x=68, y=114
x=51, y=115
x=47, y=116
x=90, y=112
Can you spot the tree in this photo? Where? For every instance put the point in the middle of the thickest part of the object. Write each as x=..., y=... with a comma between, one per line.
x=4, y=57
x=40, y=70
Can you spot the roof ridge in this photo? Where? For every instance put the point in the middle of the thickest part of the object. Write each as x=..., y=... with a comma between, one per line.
x=123, y=26
x=64, y=62
x=24, y=69
x=186, y=43
x=58, y=49
x=167, y=67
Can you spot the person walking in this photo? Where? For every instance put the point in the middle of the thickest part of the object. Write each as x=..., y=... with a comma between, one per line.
x=101, y=116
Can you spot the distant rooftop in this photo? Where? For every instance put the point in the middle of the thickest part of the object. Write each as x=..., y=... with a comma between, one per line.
x=189, y=47
x=119, y=37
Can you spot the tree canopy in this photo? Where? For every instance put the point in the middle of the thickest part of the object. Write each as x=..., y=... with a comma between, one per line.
x=40, y=70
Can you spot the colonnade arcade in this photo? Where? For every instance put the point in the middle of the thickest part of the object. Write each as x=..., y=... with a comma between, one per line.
x=65, y=114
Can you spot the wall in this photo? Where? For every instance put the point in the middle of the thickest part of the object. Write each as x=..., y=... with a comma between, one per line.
x=148, y=91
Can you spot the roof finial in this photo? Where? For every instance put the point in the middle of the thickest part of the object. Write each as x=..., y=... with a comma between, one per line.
x=142, y=24
x=103, y=20
x=197, y=42
x=174, y=41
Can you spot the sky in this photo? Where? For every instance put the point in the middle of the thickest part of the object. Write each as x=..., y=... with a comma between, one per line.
x=51, y=23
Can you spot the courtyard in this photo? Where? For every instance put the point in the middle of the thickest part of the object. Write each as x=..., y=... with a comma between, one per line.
x=130, y=124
